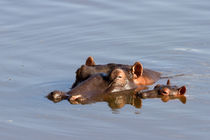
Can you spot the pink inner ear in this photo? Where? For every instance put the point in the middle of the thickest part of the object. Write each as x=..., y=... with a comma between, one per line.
x=168, y=82
x=138, y=69
x=182, y=90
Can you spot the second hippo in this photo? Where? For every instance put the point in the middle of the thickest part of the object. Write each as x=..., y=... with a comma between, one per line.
x=165, y=92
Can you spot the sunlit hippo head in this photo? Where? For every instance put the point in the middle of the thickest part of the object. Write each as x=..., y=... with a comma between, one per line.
x=99, y=84
x=135, y=72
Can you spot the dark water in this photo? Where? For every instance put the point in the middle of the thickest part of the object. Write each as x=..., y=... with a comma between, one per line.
x=43, y=42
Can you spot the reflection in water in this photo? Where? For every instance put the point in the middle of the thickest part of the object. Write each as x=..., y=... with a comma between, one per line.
x=43, y=42
x=182, y=99
x=118, y=100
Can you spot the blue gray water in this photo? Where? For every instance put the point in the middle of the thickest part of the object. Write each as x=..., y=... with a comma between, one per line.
x=43, y=42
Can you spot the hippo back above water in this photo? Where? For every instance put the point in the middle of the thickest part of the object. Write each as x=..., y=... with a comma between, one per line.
x=135, y=72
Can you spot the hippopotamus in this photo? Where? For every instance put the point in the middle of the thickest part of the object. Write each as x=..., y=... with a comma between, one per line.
x=95, y=86
x=165, y=92
x=94, y=80
x=83, y=95
x=115, y=100
x=135, y=73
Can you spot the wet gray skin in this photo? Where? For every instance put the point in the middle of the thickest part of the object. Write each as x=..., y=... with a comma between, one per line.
x=91, y=88
x=98, y=85
x=84, y=72
x=95, y=87
x=115, y=100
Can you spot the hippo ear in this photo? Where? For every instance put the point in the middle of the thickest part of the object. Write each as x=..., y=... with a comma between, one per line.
x=137, y=69
x=168, y=82
x=90, y=61
x=182, y=90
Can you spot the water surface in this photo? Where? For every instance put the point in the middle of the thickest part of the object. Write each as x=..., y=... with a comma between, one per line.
x=43, y=42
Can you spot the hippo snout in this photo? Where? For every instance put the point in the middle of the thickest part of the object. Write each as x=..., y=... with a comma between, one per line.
x=77, y=99
x=56, y=96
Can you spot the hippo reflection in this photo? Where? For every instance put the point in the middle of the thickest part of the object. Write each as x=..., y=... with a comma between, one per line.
x=118, y=100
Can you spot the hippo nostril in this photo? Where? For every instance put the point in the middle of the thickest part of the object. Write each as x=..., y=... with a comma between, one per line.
x=56, y=96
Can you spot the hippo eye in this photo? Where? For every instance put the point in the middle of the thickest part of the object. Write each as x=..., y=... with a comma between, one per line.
x=119, y=76
x=157, y=86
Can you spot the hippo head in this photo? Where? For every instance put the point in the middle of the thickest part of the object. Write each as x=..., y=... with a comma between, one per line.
x=163, y=90
x=90, y=68
x=168, y=90
x=99, y=84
